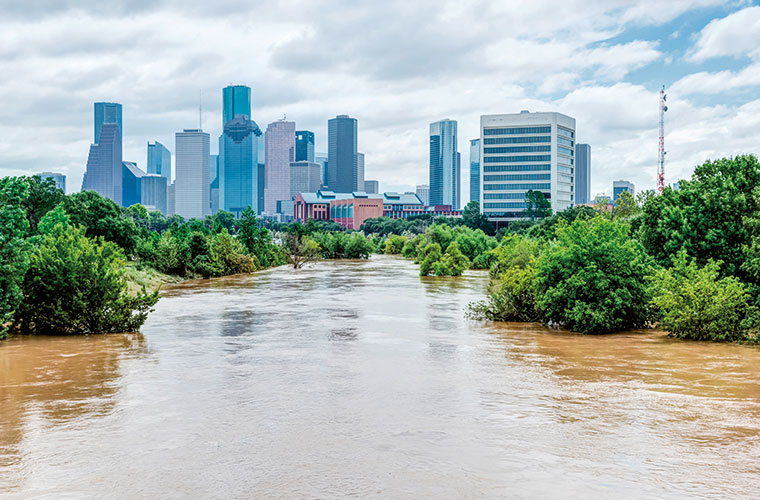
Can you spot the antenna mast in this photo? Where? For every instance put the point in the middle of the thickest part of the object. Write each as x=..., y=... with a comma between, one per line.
x=661, y=156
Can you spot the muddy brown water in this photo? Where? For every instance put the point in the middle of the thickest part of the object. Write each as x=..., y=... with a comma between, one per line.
x=362, y=380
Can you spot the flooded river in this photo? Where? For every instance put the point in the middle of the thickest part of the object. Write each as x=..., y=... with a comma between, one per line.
x=362, y=380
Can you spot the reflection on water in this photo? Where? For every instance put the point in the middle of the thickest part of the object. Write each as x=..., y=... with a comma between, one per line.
x=361, y=379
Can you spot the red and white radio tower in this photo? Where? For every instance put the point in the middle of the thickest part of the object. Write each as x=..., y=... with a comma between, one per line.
x=661, y=157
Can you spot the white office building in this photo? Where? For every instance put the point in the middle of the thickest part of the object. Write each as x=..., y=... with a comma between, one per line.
x=522, y=152
x=191, y=170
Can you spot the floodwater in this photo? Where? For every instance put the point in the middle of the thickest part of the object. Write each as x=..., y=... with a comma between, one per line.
x=362, y=380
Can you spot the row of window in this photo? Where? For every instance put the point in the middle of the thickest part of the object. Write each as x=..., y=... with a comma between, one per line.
x=517, y=177
x=519, y=149
x=525, y=186
x=515, y=159
x=565, y=132
x=507, y=196
x=564, y=150
x=565, y=142
x=516, y=168
x=517, y=130
x=519, y=140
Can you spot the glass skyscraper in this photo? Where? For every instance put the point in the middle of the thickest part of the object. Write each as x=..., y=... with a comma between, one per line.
x=159, y=160
x=342, y=150
x=107, y=112
x=582, y=173
x=238, y=159
x=304, y=146
x=236, y=100
x=475, y=170
x=444, y=164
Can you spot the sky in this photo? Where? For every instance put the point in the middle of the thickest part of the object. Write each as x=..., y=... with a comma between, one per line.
x=394, y=65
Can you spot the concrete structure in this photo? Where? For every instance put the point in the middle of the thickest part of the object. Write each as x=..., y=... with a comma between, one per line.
x=159, y=160
x=131, y=182
x=372, y=187
x=191, y=196
x=423, y=193
x=305, y=146
x=58, y=178
x=475, y=170
x=106, y=112
x=360, y=171
x=619, y=187
x=522, y=152
x=342, y=152
x=104, y=168
x=280, y=152
x=305, y=177
x=444, y=163
x=154, y=192
x=238, y=182
x=582, y=174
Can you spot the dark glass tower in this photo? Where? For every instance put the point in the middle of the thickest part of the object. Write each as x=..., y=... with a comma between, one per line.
x=304, y=146
x=342, y=171
x=107, y=112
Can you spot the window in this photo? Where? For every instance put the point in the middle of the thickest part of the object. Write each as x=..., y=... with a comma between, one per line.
x=516, y=168
x=517, y=177
x=565, y=132
x=517, y=130
x=523, y=186
x=564, y=142
x=518, y=149
x=564, y=150
x=516, y=159
x=519, y=140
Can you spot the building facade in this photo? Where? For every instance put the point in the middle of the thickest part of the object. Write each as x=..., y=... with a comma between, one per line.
x=475, y=170
x=620, y=187
x=423, y=193
x=238, y=158
x=444, y=163
x=305, y=177
x=342, y=152
x=104, y=164
x=305, y=146
x=280, y=140
x=106, y=112
x=58, y=178
x=522, y=152
x=159, y=160
x=372, y=187
x=191, y=185
x=582, y=174
x=154, y=192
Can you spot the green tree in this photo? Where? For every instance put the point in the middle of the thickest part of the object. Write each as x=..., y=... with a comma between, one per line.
x=537, y=206
x=592, y=278
x=75, y=284
x=13, y=248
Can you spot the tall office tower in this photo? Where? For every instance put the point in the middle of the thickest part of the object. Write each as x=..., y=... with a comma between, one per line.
x=159, y=160
x=342, y=152
x=619, y=187
x=280, y=151
x=444, y=183
x=321, y=158
x=522, y=152
x=360, y=171
x=191, y=185
x=58, y=178
x=423, y=193
x=305, y=177
x=475, y=170
x=372, y=187
x=236, y=100
x=103, y=173
x=107, y=112
x=131, y=182
x=304, y=146
x=153, y=192
x=582, y=173
x=238, y=158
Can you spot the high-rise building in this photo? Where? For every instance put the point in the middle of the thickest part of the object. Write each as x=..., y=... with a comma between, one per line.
x=475, y=170
x=342, y=149
x=280, y=152
x=305, y=177
x=582, y=173
x=107, y=112
x=238, y=158
x=159, y=160
x=131, y=183
x=619, y=187
x=359, y=171
x=104, y=168
x=372, y=187
x=236, y=100
x=444, y=170
x=153, y=192
x=321, y=158
x=423, y=193
x=58, y=178
x=304, y=146
x=191, y=191
x=523, y=152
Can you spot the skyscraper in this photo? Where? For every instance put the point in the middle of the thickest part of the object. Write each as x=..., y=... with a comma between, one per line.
x=159, y=160
x=131, y=183
x=107, y=112
x=582, y=173
x=238, y=158
x=523, y=152
x=444, y=170
x=475, y=170
x=236, y=100
x=423, y=193
x=342, y=149
x=360, y=171
x=280, y=151
x=304, y=146
x=104, y=168
x=191, y=191
x=60, y=179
